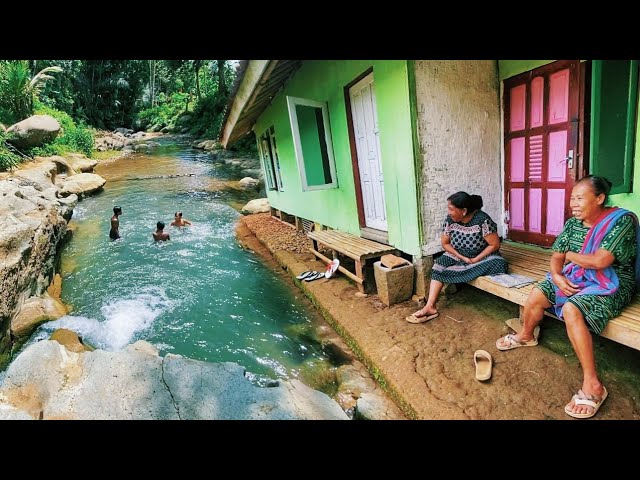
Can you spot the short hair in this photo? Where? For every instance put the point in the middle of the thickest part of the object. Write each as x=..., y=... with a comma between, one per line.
x=160, y=225
x=117, y=209
x=178, y=214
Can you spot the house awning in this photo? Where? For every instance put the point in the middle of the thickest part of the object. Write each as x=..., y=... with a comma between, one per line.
x=258, y=81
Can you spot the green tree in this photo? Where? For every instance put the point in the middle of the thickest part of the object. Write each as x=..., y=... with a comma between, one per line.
x=19, y=90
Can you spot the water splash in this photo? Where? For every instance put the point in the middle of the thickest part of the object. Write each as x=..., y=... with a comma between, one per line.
x=122, y=319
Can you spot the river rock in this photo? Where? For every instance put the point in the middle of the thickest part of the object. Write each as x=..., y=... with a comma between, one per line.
x=48, y=381
x=34, y=131
x=82, y=184
x=259, y=205
x=80, y=163
x=34, y=311
x=248, y=183
x=70, y=340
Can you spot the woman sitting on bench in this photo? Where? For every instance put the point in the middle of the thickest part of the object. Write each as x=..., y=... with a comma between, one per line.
x=471, y=246
x=592, y=279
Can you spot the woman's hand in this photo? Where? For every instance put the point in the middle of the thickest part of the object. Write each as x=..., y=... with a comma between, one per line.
x=466, y=259
x=565, y=285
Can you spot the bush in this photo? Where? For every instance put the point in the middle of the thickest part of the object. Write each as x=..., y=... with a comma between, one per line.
x=74, y=138
x=208, y=114
x=165, y=113
x=8, y=159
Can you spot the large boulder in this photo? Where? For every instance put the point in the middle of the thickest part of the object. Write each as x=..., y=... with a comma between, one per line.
x=259, y=205
x=34, y=131
x=82, y=184
x=48, y=381
x=247, y=183
x=80, y=163
x=36, y=310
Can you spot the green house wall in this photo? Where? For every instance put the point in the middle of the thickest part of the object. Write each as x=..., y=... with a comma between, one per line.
x=324, y=81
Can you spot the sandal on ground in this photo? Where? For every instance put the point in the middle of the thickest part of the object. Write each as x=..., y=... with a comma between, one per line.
x=304, y=275
x=513, y=343
x=484, y=364
x=582, y=398
x=413, y=318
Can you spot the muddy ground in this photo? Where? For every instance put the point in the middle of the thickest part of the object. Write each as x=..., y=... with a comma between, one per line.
x=428, y=368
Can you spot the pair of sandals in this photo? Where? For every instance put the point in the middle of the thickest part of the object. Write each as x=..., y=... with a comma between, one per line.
x=330, y=271
x=310, y=275
x=580, y=399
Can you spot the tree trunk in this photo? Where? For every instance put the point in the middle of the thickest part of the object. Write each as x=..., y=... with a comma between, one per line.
x=222, y=86
x=196, y=65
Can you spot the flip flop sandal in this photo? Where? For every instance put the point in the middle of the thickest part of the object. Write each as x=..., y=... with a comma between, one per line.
x=304, y=275
x=331, y=268
x=582, y=398
x=413, y=319
x=314, y=276
x=484, y=364
x=513, y=343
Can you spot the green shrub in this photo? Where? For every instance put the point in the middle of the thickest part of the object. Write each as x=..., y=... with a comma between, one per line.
x=165, y=113
x=74, y=137
x=8, y=159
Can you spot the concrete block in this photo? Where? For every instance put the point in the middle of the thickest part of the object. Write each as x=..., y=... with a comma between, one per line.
x=394, y=285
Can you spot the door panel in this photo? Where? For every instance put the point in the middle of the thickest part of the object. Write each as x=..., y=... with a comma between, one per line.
x=543, y=113
x=362, y=96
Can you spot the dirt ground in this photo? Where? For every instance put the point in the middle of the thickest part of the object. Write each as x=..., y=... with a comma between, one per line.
x=428, y=368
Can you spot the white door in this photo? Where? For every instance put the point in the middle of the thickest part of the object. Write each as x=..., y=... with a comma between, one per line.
x=365, y=128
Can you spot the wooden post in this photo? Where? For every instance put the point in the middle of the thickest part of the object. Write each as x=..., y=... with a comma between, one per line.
x=359, y=274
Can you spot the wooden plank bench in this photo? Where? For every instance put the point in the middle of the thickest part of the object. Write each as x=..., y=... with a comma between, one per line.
x=534, y=262
x=357, y=248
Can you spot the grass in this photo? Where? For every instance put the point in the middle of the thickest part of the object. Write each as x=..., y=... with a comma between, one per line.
x=106, y=155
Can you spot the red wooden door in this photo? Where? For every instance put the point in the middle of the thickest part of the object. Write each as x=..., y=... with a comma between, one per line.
x=542, y=129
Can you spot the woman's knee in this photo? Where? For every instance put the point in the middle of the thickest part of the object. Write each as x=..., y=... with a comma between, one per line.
x=571, y=314
x=537, y=299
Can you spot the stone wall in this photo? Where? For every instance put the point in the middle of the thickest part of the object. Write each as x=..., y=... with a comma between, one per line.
x=458, y=114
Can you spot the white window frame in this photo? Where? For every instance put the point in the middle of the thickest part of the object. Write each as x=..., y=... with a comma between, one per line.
x=293, y=118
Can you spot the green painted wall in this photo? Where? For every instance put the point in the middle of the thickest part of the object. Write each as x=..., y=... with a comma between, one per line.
x=509, y=68
x=324, y=81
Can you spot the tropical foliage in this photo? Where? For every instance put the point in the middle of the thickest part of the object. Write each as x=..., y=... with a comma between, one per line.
x=19, y=90
x=188, y=96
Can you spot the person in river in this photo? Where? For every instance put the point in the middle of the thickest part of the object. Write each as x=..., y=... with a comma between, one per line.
x=159, y=235
x=178, y=221
x=114, y=233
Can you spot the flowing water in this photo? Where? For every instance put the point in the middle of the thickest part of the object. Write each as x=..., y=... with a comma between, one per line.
x=198, y=295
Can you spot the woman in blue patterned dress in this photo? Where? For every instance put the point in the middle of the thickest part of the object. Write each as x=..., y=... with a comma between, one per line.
x=471, y=244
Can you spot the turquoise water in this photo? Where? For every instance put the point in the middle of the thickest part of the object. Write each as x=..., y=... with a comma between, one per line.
x=198, y=295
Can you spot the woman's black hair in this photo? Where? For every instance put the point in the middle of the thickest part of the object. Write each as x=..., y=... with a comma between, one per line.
x=117, y=209
x=599, y=185
x=463, y=200
x=160, y=225
x=178, y=214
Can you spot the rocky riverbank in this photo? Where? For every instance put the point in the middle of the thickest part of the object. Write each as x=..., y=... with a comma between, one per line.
x=37, y=201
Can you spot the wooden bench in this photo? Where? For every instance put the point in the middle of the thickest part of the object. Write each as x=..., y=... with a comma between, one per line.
x=357, y=248
x=534, y=262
